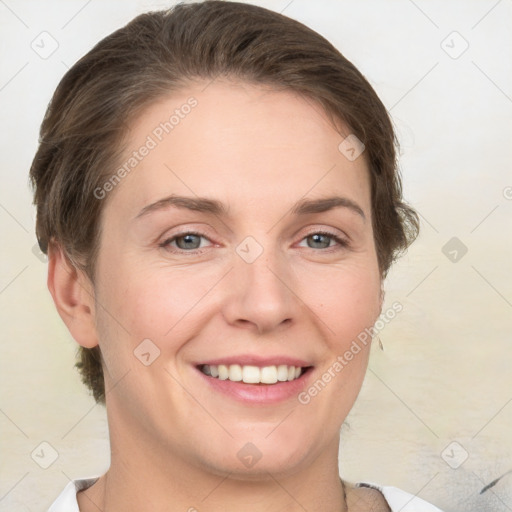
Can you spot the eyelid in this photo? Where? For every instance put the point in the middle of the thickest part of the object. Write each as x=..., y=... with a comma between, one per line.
x=334, y=232
x=186, y=229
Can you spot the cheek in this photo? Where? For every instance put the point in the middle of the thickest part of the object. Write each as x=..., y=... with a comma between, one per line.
x=158, y=302
x=140, y=315
x=345, y=299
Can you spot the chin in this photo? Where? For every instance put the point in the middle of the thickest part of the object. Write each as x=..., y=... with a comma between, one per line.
x=256, y=459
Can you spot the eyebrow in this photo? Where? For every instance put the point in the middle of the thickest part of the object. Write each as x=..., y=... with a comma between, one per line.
x=214, y=207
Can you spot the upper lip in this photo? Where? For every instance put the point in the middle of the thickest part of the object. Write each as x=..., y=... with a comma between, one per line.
x=254, y=360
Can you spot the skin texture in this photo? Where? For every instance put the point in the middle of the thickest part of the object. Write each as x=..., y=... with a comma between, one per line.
x=174, y=441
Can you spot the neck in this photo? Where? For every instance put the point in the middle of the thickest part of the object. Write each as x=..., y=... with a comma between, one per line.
x=143, y=476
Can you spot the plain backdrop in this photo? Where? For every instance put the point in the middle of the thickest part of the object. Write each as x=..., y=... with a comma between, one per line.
x=434, y=416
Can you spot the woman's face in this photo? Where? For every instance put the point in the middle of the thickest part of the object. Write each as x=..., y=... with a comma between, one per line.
x=240, y=237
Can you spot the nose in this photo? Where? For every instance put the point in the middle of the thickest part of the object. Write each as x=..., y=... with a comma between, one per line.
x=261, y=296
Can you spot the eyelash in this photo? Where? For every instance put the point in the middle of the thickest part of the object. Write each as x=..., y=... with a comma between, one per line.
x=340, y=241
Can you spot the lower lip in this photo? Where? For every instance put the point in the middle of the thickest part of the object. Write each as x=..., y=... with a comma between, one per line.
x=259, y=393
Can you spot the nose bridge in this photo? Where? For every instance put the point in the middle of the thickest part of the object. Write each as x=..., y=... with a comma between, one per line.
x=261, y=287
x=267, y=276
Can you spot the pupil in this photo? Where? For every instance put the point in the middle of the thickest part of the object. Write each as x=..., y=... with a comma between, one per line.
x=188, y=242
x=317, y=239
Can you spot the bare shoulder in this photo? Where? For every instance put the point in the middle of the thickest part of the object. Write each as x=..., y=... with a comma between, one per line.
x=365, y=499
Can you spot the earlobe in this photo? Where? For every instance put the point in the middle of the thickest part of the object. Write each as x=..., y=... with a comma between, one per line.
x=73, y=295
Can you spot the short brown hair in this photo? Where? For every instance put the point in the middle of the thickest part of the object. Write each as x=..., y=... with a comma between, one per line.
x=161, y=52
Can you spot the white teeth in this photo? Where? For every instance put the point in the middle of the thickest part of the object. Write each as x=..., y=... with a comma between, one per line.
x=223, y=371
x=253, y=374
x=268, y=375
x=235, y=372
x=282, y=373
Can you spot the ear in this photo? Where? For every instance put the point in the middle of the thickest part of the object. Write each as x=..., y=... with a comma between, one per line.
x=73, y=295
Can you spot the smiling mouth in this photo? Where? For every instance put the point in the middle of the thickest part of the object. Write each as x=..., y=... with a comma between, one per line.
x=249, y=374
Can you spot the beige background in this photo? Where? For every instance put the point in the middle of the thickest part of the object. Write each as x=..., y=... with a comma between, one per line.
x=445, y=373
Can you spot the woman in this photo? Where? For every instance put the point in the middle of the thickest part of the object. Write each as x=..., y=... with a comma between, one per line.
x=217, y=193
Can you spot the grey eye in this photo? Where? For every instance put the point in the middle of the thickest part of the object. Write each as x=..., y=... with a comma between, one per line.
x=319, y=241
x=188, y=241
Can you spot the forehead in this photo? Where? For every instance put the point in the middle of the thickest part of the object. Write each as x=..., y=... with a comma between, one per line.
x=234, y=140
